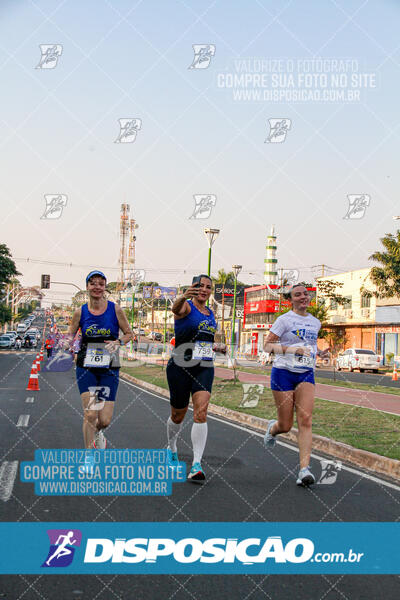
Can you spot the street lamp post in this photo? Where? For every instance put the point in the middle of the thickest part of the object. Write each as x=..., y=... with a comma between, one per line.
x=236, y=270
x=212, y=235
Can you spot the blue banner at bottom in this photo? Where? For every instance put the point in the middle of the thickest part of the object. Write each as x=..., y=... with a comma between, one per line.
x=200, y=548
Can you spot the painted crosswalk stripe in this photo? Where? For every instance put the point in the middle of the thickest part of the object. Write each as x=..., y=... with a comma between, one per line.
x=29, y=400
x=8, y=472
x=23, y=420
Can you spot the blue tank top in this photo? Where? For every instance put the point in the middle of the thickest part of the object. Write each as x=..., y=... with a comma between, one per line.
x=195, y=327
x=97, y=328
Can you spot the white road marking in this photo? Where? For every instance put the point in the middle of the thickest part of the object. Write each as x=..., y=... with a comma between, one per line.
x=23, y=420
x=8, y=472
x=29, y=400
x=289, y=446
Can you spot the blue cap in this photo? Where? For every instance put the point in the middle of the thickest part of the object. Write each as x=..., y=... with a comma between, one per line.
x=93, y=273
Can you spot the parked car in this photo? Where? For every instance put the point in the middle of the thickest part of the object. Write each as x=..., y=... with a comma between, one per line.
x=156, y=336
x=358, y=358
x=6, y=341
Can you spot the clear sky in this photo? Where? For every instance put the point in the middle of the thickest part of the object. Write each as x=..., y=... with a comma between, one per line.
x=130, y=59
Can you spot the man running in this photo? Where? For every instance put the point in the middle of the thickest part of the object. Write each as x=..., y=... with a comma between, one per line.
x=190, y=370
x=97, y=370
x=293, y=339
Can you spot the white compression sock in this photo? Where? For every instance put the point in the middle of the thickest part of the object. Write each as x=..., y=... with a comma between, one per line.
x=199, y=438
x=173, y=430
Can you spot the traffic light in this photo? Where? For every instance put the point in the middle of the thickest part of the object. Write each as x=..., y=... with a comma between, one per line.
x=45, y=282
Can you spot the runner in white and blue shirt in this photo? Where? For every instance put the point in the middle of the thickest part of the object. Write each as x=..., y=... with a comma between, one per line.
x=293, y=339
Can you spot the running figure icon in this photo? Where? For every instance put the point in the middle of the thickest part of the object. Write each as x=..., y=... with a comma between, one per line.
x=62, y=549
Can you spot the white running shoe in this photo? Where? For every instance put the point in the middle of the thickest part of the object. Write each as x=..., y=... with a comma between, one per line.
x=270, y=440
x=305, y=477
x=100, y=442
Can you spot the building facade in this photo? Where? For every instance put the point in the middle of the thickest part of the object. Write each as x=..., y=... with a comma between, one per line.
x=261, y=304
x=365, y=321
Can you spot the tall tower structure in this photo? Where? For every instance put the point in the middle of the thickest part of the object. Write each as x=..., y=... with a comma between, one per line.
x=132, y=245
x=271, y=273
x=123, y=235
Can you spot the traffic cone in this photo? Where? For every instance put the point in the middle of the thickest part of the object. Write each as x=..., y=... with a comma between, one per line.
x=33, y=384
x=37, y=363
x=395, y=375
x=41, y=354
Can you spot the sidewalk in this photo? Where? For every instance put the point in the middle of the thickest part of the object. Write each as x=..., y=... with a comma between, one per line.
x=365, y=398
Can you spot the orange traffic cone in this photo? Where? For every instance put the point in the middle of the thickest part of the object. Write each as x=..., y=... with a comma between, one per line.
x=41, y=354
x=395, y=375
x=33, y=384
x=37, y=363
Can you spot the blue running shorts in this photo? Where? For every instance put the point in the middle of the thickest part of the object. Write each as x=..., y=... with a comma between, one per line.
x=283, y=380
x=108, y=379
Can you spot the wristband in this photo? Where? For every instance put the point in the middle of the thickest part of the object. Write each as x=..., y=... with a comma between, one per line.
x=121, y=343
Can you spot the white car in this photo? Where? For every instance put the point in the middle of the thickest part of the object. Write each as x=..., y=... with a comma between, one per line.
x=34, y=331
x=358, y=358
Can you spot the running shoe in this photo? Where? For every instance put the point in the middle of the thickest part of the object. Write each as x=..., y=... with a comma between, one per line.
x=305, y=477
x=100, y=442
x=196, y=473
x=88, y=465
x=172, y=460
x=270, y=440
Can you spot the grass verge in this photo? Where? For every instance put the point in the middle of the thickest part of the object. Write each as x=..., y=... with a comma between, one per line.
x=360, y=427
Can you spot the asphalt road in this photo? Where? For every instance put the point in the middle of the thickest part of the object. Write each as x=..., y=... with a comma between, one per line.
x=244, y=483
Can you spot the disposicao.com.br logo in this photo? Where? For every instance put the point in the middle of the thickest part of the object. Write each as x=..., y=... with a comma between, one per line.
x=188, y=550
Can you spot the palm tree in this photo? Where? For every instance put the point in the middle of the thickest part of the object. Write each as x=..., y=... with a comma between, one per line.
x=223, y=277
x=387, y=277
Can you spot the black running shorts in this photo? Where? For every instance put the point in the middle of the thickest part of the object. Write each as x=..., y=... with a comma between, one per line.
x=183, y=381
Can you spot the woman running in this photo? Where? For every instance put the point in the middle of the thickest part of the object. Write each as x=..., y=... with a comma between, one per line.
x=97, y=365
x=190, y=370
x=293, y=339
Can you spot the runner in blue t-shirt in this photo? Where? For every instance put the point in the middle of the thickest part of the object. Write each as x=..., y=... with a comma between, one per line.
x=293, y=339
x=97, y=365
x=190, y=370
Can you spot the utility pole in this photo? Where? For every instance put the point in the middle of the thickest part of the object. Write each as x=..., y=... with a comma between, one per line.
x=280, y=289
x=322, y=267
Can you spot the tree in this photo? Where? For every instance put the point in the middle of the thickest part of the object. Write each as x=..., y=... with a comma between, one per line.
x=336, y=339
x=327, y=291
x=5, y=314
x=387, y=277
x=222, y=278
x=8, y=268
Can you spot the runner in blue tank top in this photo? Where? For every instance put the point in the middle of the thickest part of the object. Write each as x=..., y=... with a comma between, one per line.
x=190, y=370
x=97, y=365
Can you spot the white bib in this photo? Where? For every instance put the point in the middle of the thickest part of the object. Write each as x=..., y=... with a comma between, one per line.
x=96, y=356
x=203, y=351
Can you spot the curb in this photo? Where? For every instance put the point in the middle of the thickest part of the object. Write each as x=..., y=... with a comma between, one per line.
x=361, y=458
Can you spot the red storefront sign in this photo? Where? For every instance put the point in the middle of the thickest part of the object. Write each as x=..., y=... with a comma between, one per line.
x=388, y=329
x=264, y=306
